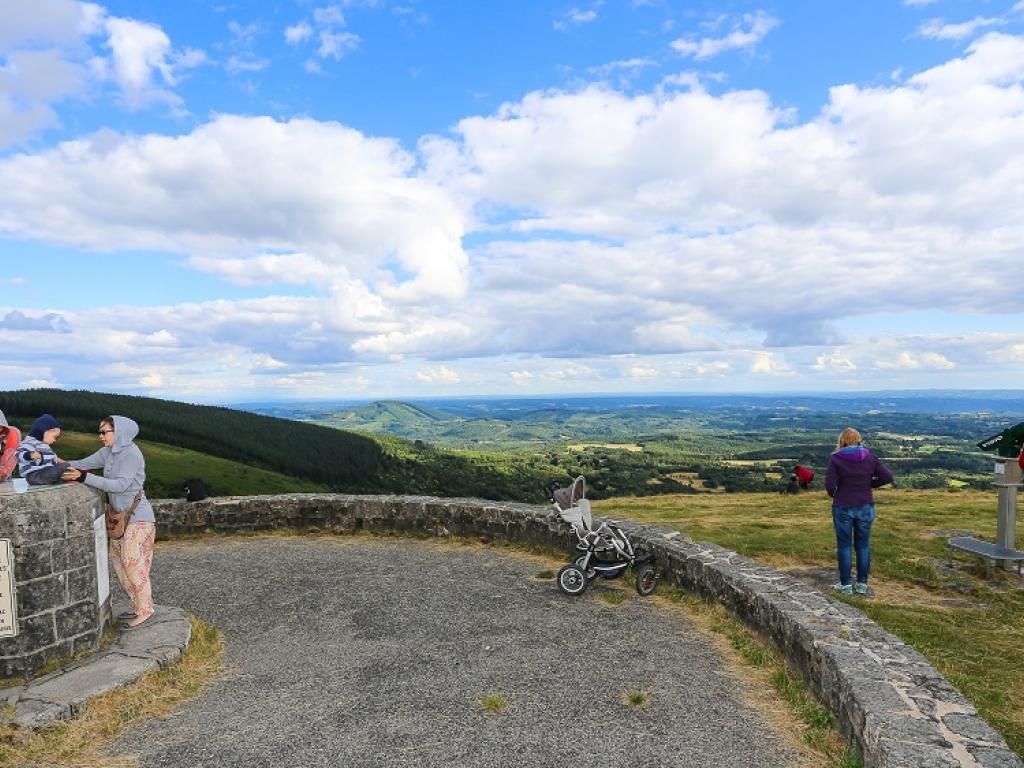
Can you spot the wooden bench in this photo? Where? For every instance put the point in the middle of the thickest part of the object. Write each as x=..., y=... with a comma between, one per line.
x=985, y=550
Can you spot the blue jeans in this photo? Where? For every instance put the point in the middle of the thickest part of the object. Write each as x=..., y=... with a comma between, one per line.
x=853, y=529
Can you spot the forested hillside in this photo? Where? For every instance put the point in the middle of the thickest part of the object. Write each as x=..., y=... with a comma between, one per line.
x=335, y=458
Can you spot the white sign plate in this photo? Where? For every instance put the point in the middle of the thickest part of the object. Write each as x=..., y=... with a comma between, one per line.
x=8, y=600
x=99, y=529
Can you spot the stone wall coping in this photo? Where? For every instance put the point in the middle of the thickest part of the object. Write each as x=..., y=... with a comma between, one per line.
x=885, y=695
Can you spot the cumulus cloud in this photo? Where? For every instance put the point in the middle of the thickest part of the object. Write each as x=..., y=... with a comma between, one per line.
x=746, y=33
x=240, y=188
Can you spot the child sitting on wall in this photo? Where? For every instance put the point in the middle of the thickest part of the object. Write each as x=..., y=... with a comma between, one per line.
x=37, y=461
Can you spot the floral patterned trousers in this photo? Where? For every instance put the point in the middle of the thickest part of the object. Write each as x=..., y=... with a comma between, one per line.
x=133, y=556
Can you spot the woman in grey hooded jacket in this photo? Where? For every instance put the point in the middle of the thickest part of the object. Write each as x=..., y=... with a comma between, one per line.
x=124, y=473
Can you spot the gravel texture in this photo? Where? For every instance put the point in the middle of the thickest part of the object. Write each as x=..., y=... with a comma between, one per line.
x=377, y=652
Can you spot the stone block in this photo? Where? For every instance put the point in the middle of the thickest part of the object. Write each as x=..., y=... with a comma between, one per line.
x=32, y=561
x=34, y=632
x=75, y=619
x=82, y=584
x=32, y=713
x=40, y=595
x=74, y=552
x=85, y=642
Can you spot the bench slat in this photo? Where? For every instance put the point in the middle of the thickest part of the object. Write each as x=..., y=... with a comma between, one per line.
x=985, y=549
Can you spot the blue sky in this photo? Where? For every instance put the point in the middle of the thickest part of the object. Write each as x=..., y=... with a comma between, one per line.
x=225, y=201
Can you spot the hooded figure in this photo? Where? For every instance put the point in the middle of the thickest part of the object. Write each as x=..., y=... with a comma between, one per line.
x=124, y=470
x=124, y=474
x=9, y=441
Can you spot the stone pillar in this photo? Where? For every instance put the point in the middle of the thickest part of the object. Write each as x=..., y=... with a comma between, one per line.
x=61, y=582
x=1008, y=477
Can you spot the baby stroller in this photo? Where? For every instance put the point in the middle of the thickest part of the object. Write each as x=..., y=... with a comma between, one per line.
x=607, y=550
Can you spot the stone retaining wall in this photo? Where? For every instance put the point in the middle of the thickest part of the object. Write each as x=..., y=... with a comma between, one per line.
x=886, y=696
x=54, y=547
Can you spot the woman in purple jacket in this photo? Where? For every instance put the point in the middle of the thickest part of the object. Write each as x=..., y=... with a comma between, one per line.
x=852, y=472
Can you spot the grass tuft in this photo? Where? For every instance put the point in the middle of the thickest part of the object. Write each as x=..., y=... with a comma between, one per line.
x=493, y=702
x=613, y=597
x=637, y=699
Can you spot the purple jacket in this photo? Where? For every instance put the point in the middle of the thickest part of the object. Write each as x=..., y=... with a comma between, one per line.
x=852, y=473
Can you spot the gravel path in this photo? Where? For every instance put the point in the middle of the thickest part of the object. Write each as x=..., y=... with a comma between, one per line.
x=377, y=652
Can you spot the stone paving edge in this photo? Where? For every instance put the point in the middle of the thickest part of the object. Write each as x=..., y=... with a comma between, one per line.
x=62, y=694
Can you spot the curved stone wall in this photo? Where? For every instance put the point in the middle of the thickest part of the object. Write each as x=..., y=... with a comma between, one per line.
x=62, y=608
x=885, y=695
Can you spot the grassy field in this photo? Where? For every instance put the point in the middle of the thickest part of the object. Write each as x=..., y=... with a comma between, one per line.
x=167, y=467
x=970, y=629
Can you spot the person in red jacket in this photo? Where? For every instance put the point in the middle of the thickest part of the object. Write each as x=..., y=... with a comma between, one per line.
x=804, y=475
x=10, y=438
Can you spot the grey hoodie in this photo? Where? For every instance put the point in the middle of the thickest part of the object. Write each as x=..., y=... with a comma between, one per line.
x=124, y=470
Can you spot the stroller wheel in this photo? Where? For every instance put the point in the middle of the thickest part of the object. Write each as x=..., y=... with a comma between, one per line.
x=646, y=579
x=571, y=579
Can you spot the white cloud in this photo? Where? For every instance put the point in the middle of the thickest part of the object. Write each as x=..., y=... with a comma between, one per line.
x=914, y=360
x=52, y=51
x=937, y=29
x=298, y=33
x=139, y=51
x=769, y=364
x=575, y=16
x=642, y=372
x=335, y=45
x=919, y=3
x=238, y=188
x=441, y=374
x=328, y=31
x=714, y=368
x=834, y=362
x=746, y=33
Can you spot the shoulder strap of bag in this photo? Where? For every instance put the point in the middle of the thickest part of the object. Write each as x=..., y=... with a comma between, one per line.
x=135, y=504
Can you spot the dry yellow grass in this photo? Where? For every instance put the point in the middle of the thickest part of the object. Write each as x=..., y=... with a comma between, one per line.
x=82, y=742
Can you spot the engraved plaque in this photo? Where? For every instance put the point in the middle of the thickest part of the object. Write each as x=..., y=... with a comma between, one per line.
x=99, y=529
x=8, y=603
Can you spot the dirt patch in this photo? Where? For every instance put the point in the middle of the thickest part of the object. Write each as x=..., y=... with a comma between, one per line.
x=888, y=592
